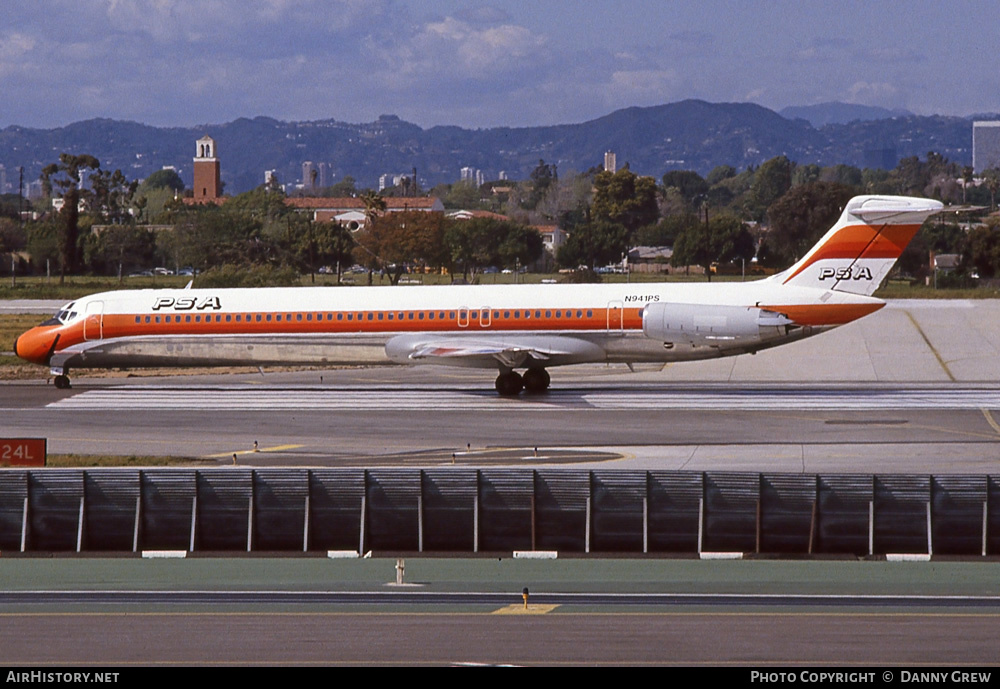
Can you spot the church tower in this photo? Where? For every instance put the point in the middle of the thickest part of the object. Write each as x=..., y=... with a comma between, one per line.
x=207, y=182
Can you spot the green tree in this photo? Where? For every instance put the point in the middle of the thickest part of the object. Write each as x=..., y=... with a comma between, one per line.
x=342, y=189
x=594, y=243
x=719, y=174
x=665, y=232
x=982, y=250
x=66, y=175
x=395, y=242
x=722, y=239
x=43, y=242
x=799, y=218
x=625, y=199
x=991, y=179
x=480, y=242
x=542, y=177
x=163, y=179
x=770, y=183
x=689, y=183
x=120, y=248
x=112, y=195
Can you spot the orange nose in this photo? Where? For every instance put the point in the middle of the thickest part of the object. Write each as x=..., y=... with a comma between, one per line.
x=37, y=344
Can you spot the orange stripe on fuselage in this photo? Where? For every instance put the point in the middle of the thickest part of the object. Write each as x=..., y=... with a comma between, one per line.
x=863, y=241
x=825, y=314
x=347, y=323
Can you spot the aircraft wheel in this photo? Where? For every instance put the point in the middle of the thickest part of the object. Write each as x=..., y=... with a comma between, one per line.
x=62, y=382
x=536, y=380
x=509, y=384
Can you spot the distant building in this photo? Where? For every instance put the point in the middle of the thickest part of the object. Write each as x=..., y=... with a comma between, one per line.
x=502, y=176
x=553, y=237
x=350, y=211
x=207, y=179
x=610, y=162
x=474, y=175
x=389, y=180
x=310, y=175
x=269, y=177
x=985, y=145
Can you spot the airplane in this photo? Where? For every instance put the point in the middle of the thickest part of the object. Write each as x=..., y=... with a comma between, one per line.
x=508, y=328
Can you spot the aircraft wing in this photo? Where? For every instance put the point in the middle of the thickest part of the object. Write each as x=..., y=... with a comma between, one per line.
x=488, y=352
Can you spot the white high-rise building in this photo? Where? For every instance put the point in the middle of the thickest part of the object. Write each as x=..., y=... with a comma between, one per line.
x=610, y=162
x=985, y=145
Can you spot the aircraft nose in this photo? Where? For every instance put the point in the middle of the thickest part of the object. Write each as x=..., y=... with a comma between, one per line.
x=36, y=345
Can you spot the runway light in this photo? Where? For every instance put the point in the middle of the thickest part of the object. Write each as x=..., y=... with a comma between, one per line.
x=524, y=595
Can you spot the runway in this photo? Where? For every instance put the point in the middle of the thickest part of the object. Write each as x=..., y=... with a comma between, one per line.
x=314, y=611
x=430, y=398
x=853, y=427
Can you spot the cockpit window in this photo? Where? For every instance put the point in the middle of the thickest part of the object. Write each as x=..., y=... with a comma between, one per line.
x=63, y=316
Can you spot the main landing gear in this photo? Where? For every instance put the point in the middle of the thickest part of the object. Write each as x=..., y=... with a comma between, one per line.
x=534, y=381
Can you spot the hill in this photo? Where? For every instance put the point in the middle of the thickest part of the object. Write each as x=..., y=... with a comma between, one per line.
x=690, y=134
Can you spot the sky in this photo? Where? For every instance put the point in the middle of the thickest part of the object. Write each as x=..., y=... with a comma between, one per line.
x=481, y=64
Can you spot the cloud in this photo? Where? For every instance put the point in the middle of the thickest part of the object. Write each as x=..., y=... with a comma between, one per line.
x=869, y=93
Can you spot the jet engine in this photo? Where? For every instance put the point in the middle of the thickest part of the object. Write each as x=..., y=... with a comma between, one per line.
x=707, y=324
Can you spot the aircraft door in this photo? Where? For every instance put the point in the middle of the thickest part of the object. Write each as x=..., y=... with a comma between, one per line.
x=463, y=317
x=485, y=317
x=616, y=317
x=93, y=321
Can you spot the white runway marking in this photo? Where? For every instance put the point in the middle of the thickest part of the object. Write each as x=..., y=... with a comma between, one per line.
x=353, y=399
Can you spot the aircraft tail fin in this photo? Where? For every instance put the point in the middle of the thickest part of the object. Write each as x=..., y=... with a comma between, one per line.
x=862, y=246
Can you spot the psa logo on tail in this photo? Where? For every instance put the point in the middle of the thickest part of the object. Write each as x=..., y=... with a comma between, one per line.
x=848, y=273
